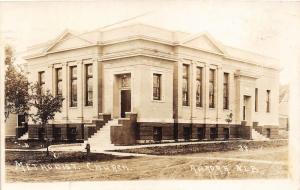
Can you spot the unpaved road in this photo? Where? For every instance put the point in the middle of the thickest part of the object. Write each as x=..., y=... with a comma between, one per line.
x=258, y=163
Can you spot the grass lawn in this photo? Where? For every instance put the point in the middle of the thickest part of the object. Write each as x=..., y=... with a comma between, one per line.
x=27, y=144
x=189, y=166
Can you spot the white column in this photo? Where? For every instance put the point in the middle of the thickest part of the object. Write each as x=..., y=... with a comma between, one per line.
x=65, y=90
x=50, y=78
x=219, y=93
x=206, y=92
x=95, y=87
x=238, y=100
x=80, y=88
x=193, y=88
x=179, y=89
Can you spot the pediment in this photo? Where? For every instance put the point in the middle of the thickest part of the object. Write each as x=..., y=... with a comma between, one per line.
x=204, y=42
x=67, y=41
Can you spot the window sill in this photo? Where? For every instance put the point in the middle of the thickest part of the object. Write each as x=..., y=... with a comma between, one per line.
x=88, y=106
x=158, y=101
x=199, y=108
x=73, y=107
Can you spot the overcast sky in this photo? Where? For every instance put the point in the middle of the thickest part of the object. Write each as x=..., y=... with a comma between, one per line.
x=269, y=28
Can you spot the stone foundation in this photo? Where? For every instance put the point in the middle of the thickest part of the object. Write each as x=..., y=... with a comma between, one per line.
x=71, y=132
x=57, y=132
x=129, y=131
x=125, y=132
x=269, y=131
x=190, y=132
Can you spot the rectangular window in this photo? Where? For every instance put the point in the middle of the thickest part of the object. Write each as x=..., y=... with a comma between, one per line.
x=211, y=88
x=156, y=87
x=41, y=81
x=225, y=91
x=58, y=82
x=89, y=85
x=73, y=74
x=256, y=100
x=199, y=87
x=185, y=85
x=157, y=133
x=268, y=100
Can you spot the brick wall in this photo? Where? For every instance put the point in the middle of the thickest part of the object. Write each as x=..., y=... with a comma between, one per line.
x=125, y=132
x=145, y=131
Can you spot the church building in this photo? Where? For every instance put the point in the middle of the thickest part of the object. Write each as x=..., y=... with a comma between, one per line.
x=144, y=84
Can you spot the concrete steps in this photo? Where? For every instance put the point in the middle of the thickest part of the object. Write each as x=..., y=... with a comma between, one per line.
x=24, y=137
x=101, y=139
x=257, y=136
x=283, y=134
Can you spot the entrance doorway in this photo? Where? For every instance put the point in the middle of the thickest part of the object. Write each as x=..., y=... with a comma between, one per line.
x=125, y=102
x=121, y=95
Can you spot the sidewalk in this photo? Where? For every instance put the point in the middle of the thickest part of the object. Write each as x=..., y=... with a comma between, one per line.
x=81, y=147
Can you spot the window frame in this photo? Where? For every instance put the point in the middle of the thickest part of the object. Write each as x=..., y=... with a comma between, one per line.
x=57, y=81
x=185, y=77
x=212, y=71
x=72, y=78
x=256, y=100
x=268, y=101
x=226, y=89
x=159, y=87
x=87, y=78
x=199, y=79
x=41, y=82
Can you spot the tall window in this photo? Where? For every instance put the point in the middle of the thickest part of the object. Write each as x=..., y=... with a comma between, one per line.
x=211, y=88
x=73, y=74
x=199, y=87
x=268, y=100
x=89, y=85
x=156, y=87
x=225, y=91
x=58, y=82
x=42, y=81
x=185, y=85
x=256, y=100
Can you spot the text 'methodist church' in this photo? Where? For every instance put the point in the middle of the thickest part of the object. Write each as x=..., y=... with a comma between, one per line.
x=157, y=85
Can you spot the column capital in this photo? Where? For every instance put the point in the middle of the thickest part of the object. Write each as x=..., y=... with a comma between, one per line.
x=194, y=61
x=78, y=62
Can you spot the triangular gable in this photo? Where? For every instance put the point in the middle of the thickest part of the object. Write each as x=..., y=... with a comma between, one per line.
x=67, y=40
x=204, y=41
